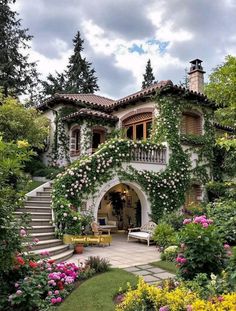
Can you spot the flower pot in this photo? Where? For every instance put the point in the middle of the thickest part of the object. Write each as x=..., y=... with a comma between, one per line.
x=79, y=248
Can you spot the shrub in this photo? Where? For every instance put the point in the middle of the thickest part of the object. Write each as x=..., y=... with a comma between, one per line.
x=224, y=215
x=167, y=298
x=202, y=250
x=175, y=219
x=98, y=264
x=170, y=253
x=164, y=235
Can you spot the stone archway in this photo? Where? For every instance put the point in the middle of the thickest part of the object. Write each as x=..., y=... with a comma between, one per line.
x=93, y=203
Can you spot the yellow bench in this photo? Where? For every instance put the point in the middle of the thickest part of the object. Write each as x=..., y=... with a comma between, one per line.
x=87, y=239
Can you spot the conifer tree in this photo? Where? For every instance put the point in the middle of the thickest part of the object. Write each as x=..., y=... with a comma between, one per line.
x=17, y=75
x=81, y=78
x=148, y=77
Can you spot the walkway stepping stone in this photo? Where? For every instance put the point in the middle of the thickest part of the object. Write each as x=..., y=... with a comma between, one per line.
x=142, y=272
x=156, y=270
x=150, y=278
x=145, y=267
x=164, y=275
x=132, y=269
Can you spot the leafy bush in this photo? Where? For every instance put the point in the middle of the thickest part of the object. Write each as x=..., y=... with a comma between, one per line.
x=164, y=235
x=167, y=297
x=223, y=214
x=98, y=264
x=175, y=219
x=202, y=249
x=170, y=253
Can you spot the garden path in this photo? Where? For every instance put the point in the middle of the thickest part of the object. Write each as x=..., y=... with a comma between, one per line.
x=121, y=254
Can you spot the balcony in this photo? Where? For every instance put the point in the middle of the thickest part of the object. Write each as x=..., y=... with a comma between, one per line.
x=144, y=155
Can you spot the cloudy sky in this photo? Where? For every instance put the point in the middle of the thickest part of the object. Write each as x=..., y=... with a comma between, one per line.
x=121, y=35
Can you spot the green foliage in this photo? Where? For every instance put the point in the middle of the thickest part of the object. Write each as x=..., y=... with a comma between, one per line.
x=17, y=74
x=148, y=77
x=221, y=88
x=19, y=123
x=98, y=264
x=202, y=250
x=170, y=253
x=223, y=213
x=175, y=219
x=12, y=184
x=164, y=235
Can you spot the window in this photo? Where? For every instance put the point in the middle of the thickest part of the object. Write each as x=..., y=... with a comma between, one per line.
x=98, y=138
x=191, y=124
x=75, y=142
x=138, y=126
x=193, y=195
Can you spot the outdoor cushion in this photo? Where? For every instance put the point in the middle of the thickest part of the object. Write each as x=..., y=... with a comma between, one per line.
x=140, y=235
x=145, y=232
x=102, y=221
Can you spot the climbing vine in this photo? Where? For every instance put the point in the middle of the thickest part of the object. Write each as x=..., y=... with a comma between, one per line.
x=165, y=189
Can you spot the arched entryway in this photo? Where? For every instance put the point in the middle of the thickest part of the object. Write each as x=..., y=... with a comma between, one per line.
x=133, y=201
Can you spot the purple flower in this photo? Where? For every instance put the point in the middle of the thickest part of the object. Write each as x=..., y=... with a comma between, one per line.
x=164, y=308
x=16, y=285
x=56, y=292
x=22, y=233
x=187, y=221
x=18, y=292
x=59, y=299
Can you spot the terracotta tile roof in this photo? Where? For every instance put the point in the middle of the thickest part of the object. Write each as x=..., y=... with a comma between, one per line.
x=142, y=93
x=84, y=112
x=225, y=128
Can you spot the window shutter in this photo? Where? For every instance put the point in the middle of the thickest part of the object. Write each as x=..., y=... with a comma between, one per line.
x=191, y=124
x=193, y=195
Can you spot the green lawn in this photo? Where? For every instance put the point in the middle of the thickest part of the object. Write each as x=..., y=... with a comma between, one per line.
x=165, y=265
x=98, y=292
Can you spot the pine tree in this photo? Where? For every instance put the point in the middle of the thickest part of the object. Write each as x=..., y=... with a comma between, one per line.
x=81, y=78
x=148, y=77
x=17, y=75
x=54, y=84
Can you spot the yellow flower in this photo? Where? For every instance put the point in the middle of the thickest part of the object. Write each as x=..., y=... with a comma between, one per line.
x=22, y=144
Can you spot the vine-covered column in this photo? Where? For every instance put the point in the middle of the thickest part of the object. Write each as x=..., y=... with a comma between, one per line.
x=86, y=138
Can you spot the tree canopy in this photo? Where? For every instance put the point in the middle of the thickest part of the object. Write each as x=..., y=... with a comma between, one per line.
x=79, y=77
x=148, y=77
x=17, y=75
x=222, y=89
x=20, y=123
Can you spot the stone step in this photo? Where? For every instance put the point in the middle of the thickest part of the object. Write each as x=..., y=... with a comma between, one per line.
x=63, y=256
x=35, y=209
x=38, y=198
x=52, y=250
x=39, y=222
x=41, y=229
x=36, y=215
x=47, y=189
x=38, y=203
x=42, y=236
x=43, y=194
x=46, y=244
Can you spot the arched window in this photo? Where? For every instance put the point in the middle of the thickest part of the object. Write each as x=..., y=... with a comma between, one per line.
x=193, y=195
x=98, y=137
x=75, y=142
x=138, y=126
x=191, y=123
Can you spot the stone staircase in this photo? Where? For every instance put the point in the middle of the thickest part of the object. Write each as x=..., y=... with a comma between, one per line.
x=38, y=206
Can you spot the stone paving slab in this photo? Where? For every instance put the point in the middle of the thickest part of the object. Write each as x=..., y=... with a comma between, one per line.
x=142, y=267
x=132, y=269
x=164, y=275
x=155, y=270
x=150, y=278
x=141, y=272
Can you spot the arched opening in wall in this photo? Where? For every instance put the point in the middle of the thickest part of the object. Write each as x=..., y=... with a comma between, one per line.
x=120, y=208
x=98, y=137
x=191, y=123
x=75, y=141
x=138, y=126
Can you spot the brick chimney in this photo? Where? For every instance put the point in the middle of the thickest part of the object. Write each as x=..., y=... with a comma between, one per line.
x=196, y=76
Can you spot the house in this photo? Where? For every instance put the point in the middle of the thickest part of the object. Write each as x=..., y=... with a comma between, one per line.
x=162, y=163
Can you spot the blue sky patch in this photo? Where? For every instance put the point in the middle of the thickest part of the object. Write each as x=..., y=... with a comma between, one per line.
x=137, y=48
x=161, y=44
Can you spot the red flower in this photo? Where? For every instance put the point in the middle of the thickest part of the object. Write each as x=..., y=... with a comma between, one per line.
x=60, y=285
x=33, y=264
x=51, y=261
x=20, y=261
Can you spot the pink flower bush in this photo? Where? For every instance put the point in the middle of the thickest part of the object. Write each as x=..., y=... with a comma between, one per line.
x=202, y=220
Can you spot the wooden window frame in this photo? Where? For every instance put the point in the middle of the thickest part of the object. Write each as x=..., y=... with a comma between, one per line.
x=127, y=124
x=100, y=131
x=188, y=127
x=76, y=135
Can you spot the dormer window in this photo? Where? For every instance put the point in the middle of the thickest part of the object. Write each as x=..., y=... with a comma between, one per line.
x=191, y=124
x=138, y=126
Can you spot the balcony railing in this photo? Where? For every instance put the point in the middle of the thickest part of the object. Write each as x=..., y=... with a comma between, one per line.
x=141, y=154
